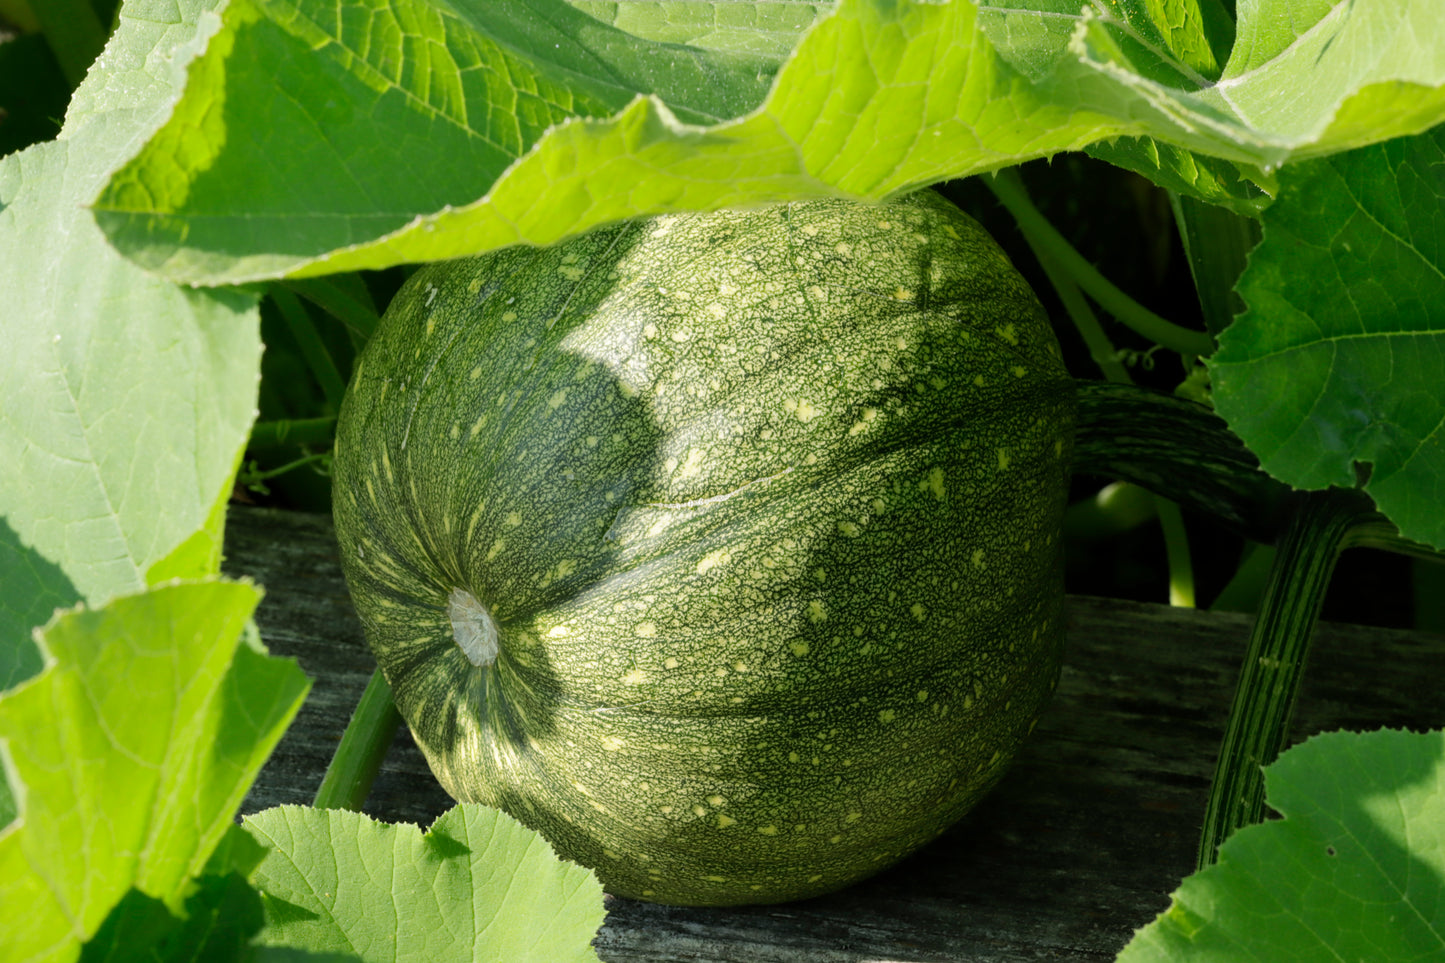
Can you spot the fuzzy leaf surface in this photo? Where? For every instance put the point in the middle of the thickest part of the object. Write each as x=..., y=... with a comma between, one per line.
x=316, y=138
x=476, y=886
x=124, y=400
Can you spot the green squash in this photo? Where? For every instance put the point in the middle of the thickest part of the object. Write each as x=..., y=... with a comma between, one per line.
x=721, y=549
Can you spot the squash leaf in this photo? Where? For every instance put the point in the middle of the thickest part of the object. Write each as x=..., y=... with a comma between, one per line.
x=1334, y=371
x=1354, y=871
x=314, y=137
x=130, y=753
x=126, y=399
x=767, y=27
x=476, y=886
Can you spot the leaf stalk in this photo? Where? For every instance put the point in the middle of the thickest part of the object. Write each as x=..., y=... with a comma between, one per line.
x=1042, y=236
x=364, y=744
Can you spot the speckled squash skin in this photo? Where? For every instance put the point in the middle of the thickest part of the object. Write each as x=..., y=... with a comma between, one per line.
x=763, y=508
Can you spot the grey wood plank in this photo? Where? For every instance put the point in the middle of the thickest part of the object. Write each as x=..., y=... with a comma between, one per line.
x=1082, y=842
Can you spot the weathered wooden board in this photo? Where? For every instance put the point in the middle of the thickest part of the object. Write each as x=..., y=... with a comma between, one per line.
x=1093, y=827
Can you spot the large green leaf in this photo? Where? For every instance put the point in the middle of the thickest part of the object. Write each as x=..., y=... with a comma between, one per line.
x=316, y=137
x=290, y=155
x=1304, y=78
x=1354, y=871
x=477, y=887
x=131, y=752
x=124, y=400
x=768, y=26
x=1336, y=369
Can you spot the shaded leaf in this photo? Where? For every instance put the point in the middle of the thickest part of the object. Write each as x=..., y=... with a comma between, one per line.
x=767, y=27
x=1335, y=369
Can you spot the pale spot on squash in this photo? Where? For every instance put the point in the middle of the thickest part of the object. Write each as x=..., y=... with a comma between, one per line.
x=1003, y=459
x=712, y=560
x=473, y=628
x=816, y=612
x=935, y=483
x=693, y=465
x=724, y=822
x=804, y=411
x=645, y=630
x=513, y=519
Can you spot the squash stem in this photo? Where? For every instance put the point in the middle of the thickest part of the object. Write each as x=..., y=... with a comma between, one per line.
x=1318, y=530
x=363, y=746
x=1177, y=448
x=1041, y=235
x=1065, y=280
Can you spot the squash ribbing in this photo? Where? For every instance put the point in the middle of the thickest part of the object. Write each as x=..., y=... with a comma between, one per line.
x=763, y=508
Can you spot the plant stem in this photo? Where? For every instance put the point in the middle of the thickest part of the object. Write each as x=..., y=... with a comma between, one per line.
x=1101, y=349
x=1318, y=529
x=1176, y=448
x=1041, y=235
x=313, y=348
x=344, y=297
x=368, y=736
x=292, y=431
x=1176, y=548
x=252, y=477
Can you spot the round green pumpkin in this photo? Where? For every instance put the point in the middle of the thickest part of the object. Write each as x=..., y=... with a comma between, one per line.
x=721, y=549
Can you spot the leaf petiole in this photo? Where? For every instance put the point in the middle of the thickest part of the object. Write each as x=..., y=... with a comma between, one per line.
x=1319, y=528
x=1042, y=236
x=363, y=746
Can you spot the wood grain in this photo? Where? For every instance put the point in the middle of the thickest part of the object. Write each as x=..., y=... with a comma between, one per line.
x=1082, y=842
